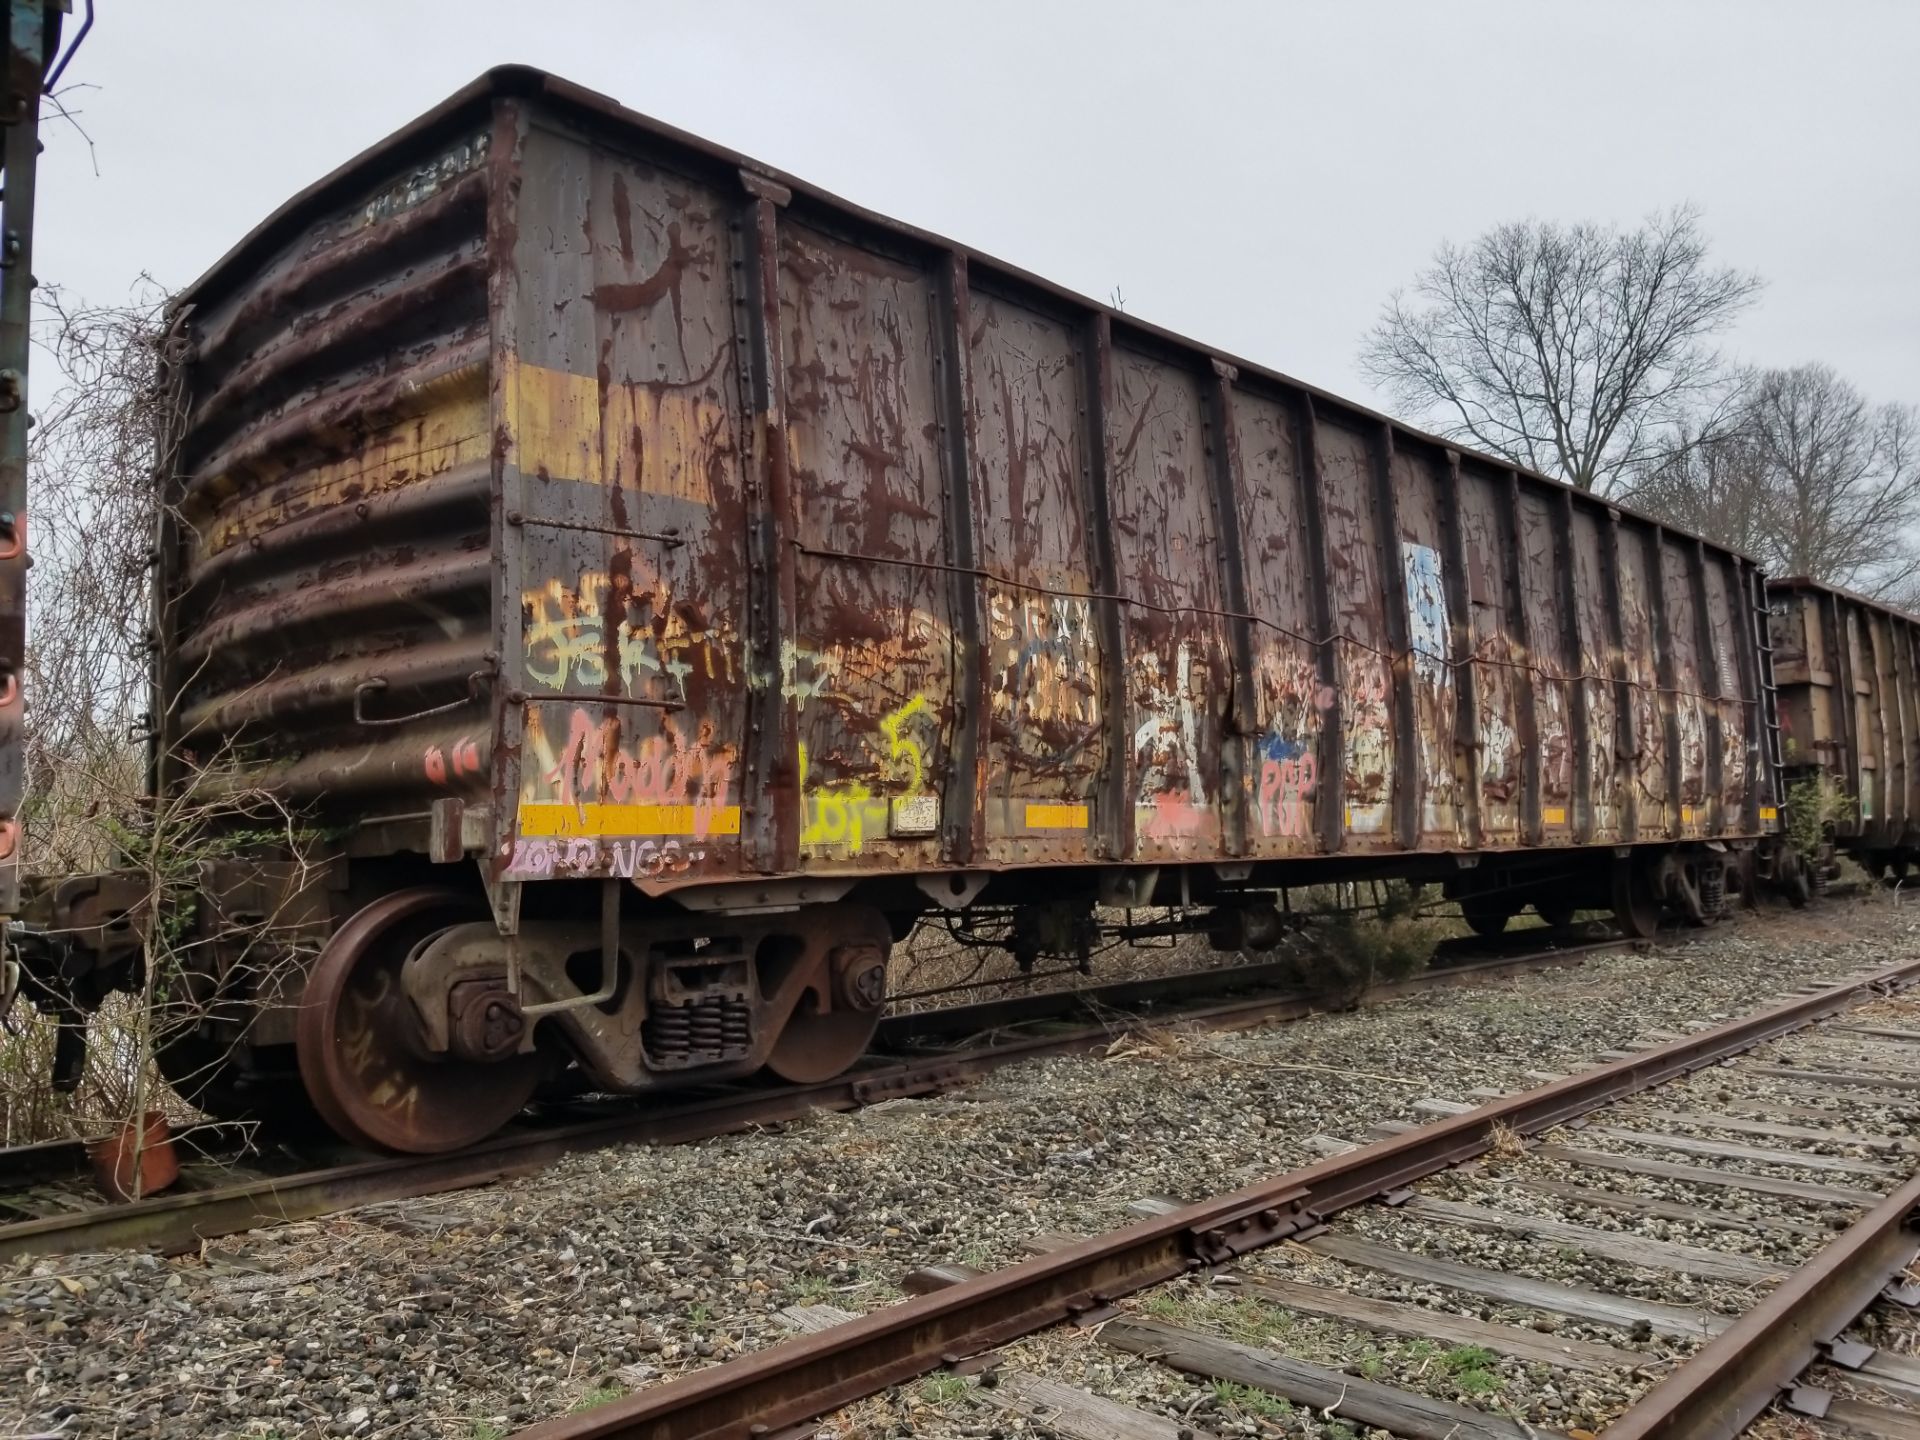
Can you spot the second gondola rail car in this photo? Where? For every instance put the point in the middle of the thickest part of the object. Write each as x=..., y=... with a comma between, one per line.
x=653, y=582
x=1848, y=670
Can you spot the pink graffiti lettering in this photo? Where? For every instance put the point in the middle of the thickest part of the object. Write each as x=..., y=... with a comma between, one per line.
x=1173, y=817
x=598, y=766
x=465, y=762
x=1286, y=788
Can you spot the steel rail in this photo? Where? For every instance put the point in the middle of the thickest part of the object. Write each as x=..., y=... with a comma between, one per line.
x=1717, y=1393
x=179, y=1221
x=977, y=1017
x=802, y=1379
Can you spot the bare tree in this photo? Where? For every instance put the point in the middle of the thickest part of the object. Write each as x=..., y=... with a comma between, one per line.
x=1573, y=350
x=94, y=456
x=1846, y=470
x=91, y=467
x=1809, y=478
x=1710, y=485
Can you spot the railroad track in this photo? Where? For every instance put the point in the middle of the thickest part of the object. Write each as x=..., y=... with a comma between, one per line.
x=1782, y=1129
x=919, y=1053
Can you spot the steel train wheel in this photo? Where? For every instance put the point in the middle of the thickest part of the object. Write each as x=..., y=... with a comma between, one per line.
x=1556, y=913
x=1636, y=908
x=819, y=1039
x=817, y=1045
x=361, y=1056
x=1486, y=915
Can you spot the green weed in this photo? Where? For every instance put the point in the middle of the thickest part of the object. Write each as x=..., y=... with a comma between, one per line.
x=1473, y=1368
x=596, y=1397
x=943, y=1389
x=812, y=1288
x=1249, y=1400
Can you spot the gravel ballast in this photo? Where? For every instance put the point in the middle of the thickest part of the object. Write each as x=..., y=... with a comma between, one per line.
x=461, y=1315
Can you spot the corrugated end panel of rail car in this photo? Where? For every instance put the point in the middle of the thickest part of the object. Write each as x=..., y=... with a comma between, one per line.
x=1848, y=669
x=327, y=620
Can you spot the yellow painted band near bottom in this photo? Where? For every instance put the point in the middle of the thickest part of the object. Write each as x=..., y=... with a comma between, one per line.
x=618, y=821
x=1056, y=817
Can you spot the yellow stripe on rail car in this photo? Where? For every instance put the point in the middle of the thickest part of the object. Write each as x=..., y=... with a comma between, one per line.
x=567, y=427
x=1055, y=817
x=439, y=427
x=620, y=821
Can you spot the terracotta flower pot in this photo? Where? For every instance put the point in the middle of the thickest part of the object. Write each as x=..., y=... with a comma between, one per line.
x=126, y=1156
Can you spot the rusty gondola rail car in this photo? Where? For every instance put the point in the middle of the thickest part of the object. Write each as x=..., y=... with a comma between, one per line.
x=1848, y=671
x=656, y=582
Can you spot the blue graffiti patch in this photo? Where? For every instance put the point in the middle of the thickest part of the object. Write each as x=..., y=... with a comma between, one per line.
x=1275, y=748
x=1426, y=610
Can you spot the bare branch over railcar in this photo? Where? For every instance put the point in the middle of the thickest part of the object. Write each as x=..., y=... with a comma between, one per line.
x=1810, y=478
x=1572, y=350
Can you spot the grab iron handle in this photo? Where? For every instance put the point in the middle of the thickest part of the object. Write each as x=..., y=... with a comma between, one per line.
x=379, y=683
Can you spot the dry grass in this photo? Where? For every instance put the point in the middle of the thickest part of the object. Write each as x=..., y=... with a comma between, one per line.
x=91, y=459
x=109, y=1090
x=1152, y=1043
x=1504, y=1143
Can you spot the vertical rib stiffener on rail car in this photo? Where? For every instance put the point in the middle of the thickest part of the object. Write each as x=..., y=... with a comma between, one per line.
x=1239, y=728
x=1468, y=741
x=1587, y=808
x=1329, y=812
x=1406, y=770
x=964, y=824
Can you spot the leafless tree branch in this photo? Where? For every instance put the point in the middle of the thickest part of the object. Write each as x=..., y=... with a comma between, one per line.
x=1575, y=351
x=1806, y=475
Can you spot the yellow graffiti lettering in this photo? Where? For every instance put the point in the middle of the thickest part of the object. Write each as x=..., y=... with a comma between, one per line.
x=845, y=813
x=905, y=749
x=840, y=814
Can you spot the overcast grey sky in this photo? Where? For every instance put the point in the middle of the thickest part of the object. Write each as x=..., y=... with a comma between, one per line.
x=1257, y=176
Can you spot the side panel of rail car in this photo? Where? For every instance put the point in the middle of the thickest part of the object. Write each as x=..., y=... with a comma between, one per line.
x=915, y=563
x=626, y=578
